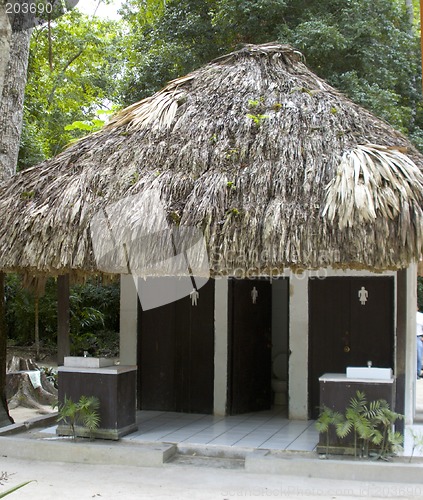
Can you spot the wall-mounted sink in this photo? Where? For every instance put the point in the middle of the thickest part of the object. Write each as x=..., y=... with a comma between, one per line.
x=364, y=372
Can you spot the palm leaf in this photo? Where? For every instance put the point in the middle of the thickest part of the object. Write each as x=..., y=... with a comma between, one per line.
x=11, y=490
x=372, y=181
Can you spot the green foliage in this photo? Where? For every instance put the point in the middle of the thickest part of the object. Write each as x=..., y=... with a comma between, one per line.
x=94, y=316
x=371, y=425
x=327, y=418
x=83, y=413
x=20, y=319
x=248, y=21
x=257, y=119
x=420, y=292
x=95, y=319
x=93, y=125
x=72, y=73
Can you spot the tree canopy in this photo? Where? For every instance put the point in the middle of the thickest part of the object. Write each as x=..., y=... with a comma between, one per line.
x=72, y=68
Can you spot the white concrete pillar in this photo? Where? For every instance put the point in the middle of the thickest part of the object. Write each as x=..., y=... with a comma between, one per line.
x=298, y=344
x=411, y=349
x=128, y=320
x=220, y=345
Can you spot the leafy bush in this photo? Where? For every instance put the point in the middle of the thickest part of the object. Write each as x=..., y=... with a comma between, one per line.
x=94, y=321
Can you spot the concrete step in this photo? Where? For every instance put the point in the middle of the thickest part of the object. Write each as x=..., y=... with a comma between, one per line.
x=209, y=462
x=62, y=449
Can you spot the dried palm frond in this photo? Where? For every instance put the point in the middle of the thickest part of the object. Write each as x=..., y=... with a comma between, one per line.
x=372, y=181
x=157, y=111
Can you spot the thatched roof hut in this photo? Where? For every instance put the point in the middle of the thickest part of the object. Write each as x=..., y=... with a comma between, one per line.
x=275, y=167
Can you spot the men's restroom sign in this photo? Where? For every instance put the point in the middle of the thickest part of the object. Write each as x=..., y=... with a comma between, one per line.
x=194, y=297
x=363, y=296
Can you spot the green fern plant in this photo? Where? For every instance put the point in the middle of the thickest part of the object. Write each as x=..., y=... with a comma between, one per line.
x=83, y=413
x=355, y=420
x=371, y=424
x=390, y=441
x=327, y=417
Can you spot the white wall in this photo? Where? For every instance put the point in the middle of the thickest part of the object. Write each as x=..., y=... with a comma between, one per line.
x=298, y=344
x=221, y=345
x=128, y=320
x=411, y=349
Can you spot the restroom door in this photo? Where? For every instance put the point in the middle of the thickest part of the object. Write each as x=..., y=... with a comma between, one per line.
x=343, y=331
x=176, y=355
x=250, y=314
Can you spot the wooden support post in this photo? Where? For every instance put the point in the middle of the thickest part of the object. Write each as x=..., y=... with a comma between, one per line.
x=63, y=318
x=37, y=326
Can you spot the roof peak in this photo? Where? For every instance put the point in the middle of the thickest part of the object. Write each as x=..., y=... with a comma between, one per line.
x=270, y=48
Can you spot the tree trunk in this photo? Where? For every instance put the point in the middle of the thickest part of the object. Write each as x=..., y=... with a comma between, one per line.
x=11, y=107
x=21, y=390
x=5, y=34
x=5, y=418
x=13, y=69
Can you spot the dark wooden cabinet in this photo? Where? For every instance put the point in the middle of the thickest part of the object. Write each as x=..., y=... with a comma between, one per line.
x=114, y=386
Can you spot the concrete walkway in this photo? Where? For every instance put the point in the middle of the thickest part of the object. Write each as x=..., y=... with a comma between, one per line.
x=37, y=442
x=181, y=482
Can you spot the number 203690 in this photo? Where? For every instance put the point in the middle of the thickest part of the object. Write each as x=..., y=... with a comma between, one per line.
x=29, y=7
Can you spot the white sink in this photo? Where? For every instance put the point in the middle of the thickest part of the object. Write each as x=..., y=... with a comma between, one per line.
x=86, y=362
x=369, y=373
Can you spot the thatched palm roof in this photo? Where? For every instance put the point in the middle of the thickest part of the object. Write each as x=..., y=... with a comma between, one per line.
x=275, y=167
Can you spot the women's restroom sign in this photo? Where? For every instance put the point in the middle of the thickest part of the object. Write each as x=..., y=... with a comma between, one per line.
x=363, y=296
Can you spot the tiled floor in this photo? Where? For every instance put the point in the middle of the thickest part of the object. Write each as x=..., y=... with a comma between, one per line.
x=268, y=429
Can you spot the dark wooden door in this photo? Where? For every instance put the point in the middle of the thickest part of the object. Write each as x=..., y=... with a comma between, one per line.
x=176, y=355
x=156, y=358
x=194, y=334
x=344, y=332
x=249, y=387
